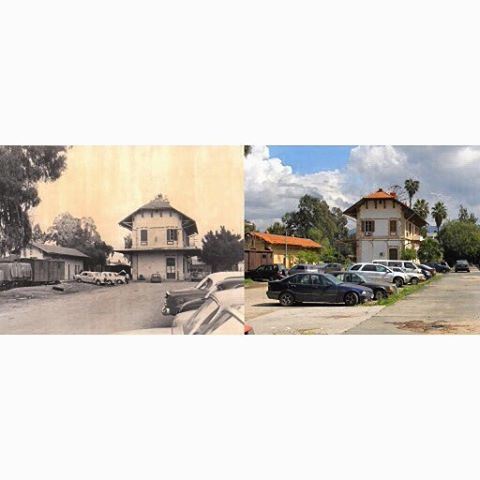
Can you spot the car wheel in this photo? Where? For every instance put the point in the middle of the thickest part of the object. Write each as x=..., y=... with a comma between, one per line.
x=398, y=282
x=286, y=299
x=414, y=280
x=380, y=295
x=98, y=282
x=351, y=299
x=78, y=280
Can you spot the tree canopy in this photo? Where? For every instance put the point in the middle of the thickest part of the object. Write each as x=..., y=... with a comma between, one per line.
x=22, y=168
x=277, y=228
x=411, y=186
x=430, y=251
x=465, y=216
x=80, y=233
x=221, y=249
x=439, y=214
x=460, y=240
x=421, y=208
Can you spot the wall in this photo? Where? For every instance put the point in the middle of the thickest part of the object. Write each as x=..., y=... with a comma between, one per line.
x=148, y=263
x=157, y=226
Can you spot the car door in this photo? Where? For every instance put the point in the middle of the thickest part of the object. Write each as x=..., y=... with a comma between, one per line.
x=258, y=273
x=383, y=274
x=370, y=272
x=300, y=286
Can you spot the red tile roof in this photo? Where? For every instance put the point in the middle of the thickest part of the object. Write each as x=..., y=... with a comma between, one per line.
x=282, y=240
x=380, y=194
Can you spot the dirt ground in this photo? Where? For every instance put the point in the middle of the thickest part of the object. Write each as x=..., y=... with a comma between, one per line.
x=85, y=308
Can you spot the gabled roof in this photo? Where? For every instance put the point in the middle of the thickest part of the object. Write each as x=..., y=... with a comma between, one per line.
x=161, y=203
x=61, y=251
x=282, y=240
x=382, y=195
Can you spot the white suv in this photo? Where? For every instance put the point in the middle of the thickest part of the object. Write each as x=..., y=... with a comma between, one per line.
x=380, y=273
x=406, y=264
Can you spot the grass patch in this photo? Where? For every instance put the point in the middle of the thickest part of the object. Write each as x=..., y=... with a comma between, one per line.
x=407, y=290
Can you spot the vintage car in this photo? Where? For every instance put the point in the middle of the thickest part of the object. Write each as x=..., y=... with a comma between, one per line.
x=223, y=313
x=90, y=277
x=176, y=298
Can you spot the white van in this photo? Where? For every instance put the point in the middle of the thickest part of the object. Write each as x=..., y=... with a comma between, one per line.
x=408, y=265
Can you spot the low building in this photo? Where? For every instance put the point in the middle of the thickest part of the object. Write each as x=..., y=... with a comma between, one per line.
x=268, y=248
x=73, y=258
x=385, y=226
x=162, y=241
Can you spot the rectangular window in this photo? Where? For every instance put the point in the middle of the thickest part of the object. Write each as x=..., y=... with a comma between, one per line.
x=393, y=203
x=143, y=237
x=393, y=227
x=151, y=214
x=161, y=213
x=368, y=226
x=172, y=235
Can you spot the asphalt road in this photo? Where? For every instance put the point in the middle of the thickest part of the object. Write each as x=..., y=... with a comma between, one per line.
x=269, y=317
x=449, y=306
x=93, y=309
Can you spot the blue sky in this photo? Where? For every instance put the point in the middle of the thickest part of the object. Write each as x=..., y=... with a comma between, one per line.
x=312, y=158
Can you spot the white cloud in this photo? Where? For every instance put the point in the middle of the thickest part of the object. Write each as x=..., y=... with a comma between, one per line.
x=449, y=174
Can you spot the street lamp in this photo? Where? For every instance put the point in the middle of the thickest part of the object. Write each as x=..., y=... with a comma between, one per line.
x=292, y=230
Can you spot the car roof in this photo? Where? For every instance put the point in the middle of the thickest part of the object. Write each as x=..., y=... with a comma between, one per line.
x=227, y=298
x=219, y=276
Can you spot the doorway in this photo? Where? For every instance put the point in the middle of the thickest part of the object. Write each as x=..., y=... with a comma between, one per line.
x=171, y=268
x=393, y=253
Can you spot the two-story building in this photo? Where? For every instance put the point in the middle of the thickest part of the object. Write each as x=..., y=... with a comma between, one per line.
x=385, y=227
x=161, y=241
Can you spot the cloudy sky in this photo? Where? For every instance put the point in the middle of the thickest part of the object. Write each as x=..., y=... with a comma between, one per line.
x=277, y=176
x=108, y=183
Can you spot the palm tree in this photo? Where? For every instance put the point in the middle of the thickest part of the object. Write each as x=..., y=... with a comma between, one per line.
x=411, y=186
x=439, y=214
x=421, y=208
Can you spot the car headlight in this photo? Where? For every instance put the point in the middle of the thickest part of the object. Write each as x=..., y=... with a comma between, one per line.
x=364, y=292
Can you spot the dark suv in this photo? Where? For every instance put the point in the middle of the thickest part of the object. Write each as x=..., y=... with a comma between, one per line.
x=461, y=266
x=267, y=272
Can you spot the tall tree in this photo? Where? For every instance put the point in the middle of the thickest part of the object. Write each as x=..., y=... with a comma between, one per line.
x=80, y=233
x=277, y=228
x=465, y=216
x=221, y=249
x=430, y=251
x=460, y=239
x=439, y=214
x=421, y=208
x=411, y=186
x=21, y=169
x=38, y=235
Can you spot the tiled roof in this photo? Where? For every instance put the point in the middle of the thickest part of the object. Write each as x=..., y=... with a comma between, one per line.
x=282, y=240
x=380, y=194
x=56, y=250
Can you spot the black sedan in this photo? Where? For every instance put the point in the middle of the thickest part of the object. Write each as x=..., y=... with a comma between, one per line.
x=321, y=288
x=380, y=289
x=461, y=266
x=275, y=271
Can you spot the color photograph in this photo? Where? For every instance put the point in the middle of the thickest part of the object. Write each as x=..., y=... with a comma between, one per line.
x=362, y=239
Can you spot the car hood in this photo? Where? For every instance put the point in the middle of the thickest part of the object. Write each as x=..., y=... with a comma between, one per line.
x=376, y=284
x=356, y=286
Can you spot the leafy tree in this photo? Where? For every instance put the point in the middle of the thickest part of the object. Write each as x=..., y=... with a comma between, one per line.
x=277, y=228
x=409, y=254
x=127, y=239
x=430, y=251
x=249, y=227
x=439, y=214
x=38, y=235
x=460, y=240
x=221, y=249
x=308, y=256
x=421, y=208
x=465, y=216
x=80, y=233
x=411, y=186
x=21, y=169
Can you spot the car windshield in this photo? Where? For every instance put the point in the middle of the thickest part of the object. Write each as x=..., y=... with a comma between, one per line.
x=360, y=278
x=333, y=279
x=204, y=314
x=211, y=323
x=204, y=284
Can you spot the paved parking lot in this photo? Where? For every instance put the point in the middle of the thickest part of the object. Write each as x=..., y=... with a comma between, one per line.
x=93, y=309
x=448, y=306
x=269, y=317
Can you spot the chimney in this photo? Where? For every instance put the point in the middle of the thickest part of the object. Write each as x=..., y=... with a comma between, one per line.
x=393, y=194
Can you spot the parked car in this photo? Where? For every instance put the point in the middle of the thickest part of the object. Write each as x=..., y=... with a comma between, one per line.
x=439, y=267
x=90, y=277
x=113, y=278
x=426, y=268
x=461, y=266
x=408, y=265
x=331, y=267
x=267, y=272
x=380, y=289
x=155, y=278
x=176, y=298
x=232, y=282
x=317, y=287
x=304, y=268
x=223, y=313
x=377, y=272
x=412, y=277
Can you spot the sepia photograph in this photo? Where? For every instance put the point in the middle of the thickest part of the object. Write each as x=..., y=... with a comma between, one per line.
x=115, y=239
x=362, y=239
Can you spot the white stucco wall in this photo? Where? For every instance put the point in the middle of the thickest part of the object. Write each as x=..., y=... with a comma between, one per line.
x=157, y=223
x=148, y=263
